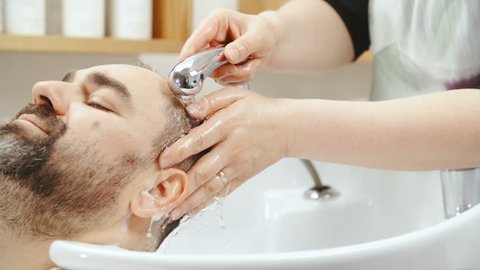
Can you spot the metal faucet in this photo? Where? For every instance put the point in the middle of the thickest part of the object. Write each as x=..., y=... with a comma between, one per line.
x=186, y=78
x=319, y=190
x=461, y=190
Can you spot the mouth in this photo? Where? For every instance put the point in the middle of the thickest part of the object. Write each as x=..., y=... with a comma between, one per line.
x=34, y=120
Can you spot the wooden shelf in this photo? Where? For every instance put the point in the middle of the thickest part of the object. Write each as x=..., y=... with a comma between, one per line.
x=172, y=20
x=60, y=44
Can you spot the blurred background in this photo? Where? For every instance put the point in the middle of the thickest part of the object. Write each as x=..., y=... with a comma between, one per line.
x=43, y=39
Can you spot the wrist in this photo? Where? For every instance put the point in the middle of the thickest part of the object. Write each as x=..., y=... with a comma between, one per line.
x=287, y=117
x=275, y=23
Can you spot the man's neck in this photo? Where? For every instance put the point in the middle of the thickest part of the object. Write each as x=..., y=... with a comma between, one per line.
x=21, y=253
x=27, y=253
x=18, y=253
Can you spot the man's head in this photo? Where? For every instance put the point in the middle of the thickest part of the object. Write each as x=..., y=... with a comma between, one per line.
x=80, y=161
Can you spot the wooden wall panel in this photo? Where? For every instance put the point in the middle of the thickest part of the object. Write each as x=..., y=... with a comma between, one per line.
x=172, y=19
x=257, y=6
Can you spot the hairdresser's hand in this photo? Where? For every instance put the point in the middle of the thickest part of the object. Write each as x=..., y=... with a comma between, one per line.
x=252, y=40
x=247, y=133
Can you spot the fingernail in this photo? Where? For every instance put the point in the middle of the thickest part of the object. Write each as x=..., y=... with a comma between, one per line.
x=194, y=109
x=234, y=54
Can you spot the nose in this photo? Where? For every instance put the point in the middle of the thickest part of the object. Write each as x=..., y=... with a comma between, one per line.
x=57, y=95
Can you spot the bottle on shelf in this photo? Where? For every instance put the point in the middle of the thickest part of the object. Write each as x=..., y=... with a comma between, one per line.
x=84, y=18
x=25, y=17
x=131, y=19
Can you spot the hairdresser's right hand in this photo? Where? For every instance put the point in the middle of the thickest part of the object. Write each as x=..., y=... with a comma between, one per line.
x=252, y=40
x=246, y=132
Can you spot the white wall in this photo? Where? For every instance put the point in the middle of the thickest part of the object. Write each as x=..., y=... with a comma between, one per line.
x=19, y=71
x=351, y=82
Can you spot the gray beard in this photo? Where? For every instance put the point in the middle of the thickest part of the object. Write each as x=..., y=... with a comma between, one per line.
x=20, y=159
x=53, y=189
x=16, y=154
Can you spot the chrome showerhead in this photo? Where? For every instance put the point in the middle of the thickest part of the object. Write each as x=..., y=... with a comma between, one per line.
x=186, y=78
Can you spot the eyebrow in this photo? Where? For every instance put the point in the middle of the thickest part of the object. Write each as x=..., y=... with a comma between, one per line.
x=100, y=79
x=69, y=76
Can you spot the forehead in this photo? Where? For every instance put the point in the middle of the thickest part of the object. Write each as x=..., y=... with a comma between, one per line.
x=149, y=91
x=136, y=79
x=147, y=88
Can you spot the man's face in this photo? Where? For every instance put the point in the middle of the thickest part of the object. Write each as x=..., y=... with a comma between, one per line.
x=65, y=158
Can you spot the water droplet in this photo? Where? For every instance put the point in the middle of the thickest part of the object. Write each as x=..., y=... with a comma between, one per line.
x=149, y=231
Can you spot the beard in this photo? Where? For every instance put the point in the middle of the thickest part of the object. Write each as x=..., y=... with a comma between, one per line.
x=52, y=188
x=21, y=156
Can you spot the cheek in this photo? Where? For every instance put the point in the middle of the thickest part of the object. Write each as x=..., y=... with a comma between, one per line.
x=107, y=132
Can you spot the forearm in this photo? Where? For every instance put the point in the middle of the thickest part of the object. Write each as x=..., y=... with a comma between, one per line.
x=433, y=131
x=311, y=36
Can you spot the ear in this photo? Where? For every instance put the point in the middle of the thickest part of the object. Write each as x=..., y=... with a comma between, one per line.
x=168, y=191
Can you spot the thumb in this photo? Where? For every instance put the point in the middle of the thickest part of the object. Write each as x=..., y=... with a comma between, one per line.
x=238, y=50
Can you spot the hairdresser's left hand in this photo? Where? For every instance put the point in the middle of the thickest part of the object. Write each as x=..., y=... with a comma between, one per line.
x=247, y=133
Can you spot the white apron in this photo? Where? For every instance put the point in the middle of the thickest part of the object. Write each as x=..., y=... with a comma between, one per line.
x=422, y=46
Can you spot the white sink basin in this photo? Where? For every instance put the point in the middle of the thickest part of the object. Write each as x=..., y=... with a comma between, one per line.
x=381, y=220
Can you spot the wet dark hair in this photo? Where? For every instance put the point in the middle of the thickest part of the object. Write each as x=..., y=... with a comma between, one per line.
x=179, y=123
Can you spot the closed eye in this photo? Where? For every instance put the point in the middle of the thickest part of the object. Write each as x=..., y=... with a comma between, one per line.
x=98, y=106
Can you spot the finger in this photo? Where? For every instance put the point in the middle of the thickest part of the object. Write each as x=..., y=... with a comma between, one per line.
x=203, y=193
x=217, y=183
x=234, y=83
x=200, y=207
x=244, y=73
x=214, y=102
x=193, y=201
x=196, y=201
x=229, y=188
x=235, y=173
x=245, y=70
x=211, y=29
x=198, y=41
x=218, y=188
x=240, y=49
x=224, y=70
x=200, y=138
x=207, y=167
